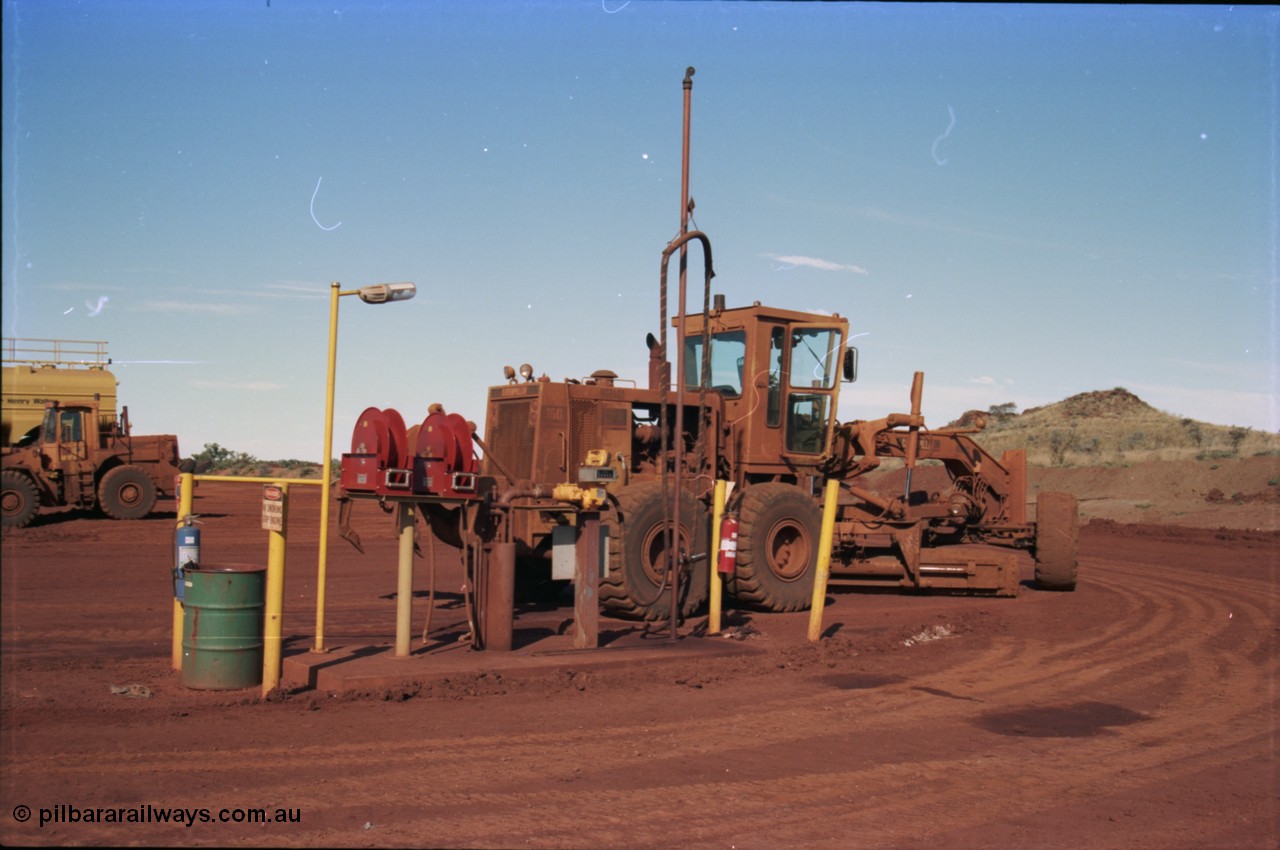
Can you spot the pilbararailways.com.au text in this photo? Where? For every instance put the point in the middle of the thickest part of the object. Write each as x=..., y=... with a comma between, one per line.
x=149, y=814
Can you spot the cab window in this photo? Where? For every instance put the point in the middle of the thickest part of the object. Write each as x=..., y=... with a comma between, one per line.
x=806, y=422
x=69, y=427
x=773, y=417
x=728, y=353
x=813, y=357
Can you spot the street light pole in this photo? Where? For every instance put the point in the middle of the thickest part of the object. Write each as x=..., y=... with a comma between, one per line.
x=378, y=293
x=327, y=472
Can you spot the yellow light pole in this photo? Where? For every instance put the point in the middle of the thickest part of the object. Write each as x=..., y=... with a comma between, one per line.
x=378, y=293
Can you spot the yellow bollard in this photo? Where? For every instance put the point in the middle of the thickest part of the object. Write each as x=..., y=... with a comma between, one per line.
x=186, y=488
x=825, y=541
x=717, y=513
x=404, y=581
x=273, y=617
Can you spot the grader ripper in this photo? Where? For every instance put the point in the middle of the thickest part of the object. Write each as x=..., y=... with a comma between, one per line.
x=755, y=405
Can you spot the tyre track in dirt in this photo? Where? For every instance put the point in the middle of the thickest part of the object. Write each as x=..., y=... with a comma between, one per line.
x=480, y=782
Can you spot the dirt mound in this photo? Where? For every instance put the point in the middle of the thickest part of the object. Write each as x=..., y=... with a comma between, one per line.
x=1110, y=427
x=1113, y=403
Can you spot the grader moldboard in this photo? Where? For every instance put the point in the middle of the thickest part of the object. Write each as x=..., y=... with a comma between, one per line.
x=755, y=405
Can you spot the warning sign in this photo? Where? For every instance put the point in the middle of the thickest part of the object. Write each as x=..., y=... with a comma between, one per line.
x=273, y=508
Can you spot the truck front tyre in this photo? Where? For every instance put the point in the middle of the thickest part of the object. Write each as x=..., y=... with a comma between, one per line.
x=1057, y=535
x=780, y=527
x=19, y=499
x=127, y=492
x=637, y=556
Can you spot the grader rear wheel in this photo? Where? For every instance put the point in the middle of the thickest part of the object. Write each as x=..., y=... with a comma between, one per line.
x=636, y=586
x=777, y=547
x=1057, y=536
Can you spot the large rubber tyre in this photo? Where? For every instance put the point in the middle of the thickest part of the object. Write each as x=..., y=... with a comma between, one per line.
x=637, y=555
x=126, y=492
x=1057, y=537
x=779, y=530
x=19, y=498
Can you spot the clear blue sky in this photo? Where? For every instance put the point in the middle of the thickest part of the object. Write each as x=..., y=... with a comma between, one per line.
x=1023, y=202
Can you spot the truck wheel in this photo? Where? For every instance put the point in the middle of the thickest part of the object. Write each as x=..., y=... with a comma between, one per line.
x=127, y=492
x=20, y=500
x=637, y=555
x=779, y=526
x=1057, y=534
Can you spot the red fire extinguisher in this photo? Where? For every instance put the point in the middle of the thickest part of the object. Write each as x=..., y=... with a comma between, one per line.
x=727, y=559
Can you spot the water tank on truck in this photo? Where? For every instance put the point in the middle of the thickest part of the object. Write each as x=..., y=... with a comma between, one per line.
x=36, y=372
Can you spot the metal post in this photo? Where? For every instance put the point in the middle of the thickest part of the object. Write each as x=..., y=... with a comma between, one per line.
x=717, y=513
x=673, y=538
x=186, y=488
x=326, y=471
x=499, y=577
x=825, y=542
x=273, y=618
x=586, y=580
x=404, y=581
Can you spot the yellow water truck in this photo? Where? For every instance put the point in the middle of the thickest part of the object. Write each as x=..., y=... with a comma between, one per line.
x=39, y=371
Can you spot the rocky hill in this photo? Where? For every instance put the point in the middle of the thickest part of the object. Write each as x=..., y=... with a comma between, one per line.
x=1110, y=427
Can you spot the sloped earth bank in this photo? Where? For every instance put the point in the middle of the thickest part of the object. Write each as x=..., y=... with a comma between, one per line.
x=1138, y=712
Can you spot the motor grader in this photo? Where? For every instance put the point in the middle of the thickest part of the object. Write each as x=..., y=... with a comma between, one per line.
x=754, y=404
x=761, y=389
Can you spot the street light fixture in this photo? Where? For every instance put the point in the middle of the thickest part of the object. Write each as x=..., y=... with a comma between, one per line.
x=377, y=293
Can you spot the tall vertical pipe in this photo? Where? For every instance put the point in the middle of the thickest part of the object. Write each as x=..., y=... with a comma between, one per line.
x=673, y=520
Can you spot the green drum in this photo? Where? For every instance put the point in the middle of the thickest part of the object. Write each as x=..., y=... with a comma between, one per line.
x=222, y=626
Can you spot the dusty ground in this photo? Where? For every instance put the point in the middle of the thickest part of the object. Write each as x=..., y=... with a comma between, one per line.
x=1138, y=712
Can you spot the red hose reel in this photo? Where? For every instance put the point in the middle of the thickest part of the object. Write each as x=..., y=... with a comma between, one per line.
x=435, y=458
x=444, y=458
x=379, y=458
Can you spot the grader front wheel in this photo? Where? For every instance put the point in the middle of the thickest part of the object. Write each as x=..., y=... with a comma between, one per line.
x=1057, y=536
x=777, y=547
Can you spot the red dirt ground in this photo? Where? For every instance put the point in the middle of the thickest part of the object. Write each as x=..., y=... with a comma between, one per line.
x=1138, y=712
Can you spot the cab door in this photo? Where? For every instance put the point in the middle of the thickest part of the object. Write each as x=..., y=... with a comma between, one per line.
x=811, y=367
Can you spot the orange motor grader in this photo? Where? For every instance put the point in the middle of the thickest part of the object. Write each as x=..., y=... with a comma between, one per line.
x=754, y=404
x=757, y=408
